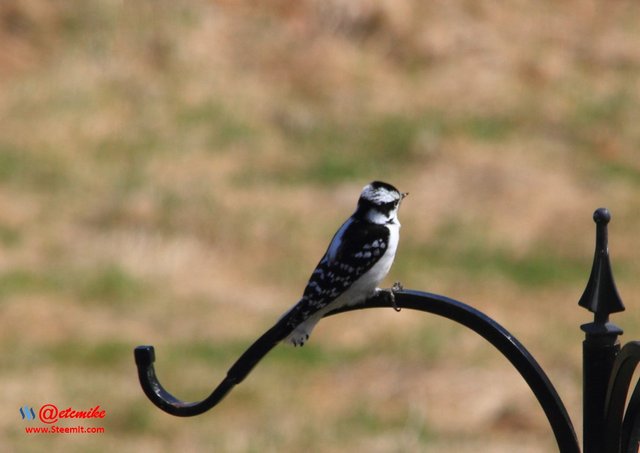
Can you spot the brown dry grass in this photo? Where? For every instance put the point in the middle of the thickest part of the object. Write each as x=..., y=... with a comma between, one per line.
x=153, y=153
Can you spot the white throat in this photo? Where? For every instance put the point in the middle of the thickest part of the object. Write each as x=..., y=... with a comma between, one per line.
x=379, y=218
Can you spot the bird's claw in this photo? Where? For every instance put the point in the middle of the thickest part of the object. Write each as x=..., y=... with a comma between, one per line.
x=397, y=286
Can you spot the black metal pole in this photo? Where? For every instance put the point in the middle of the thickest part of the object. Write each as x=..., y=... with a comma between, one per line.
x=599, y=351
x=601, y=345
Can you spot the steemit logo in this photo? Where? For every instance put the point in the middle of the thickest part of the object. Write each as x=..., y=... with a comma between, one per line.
x=27, y=413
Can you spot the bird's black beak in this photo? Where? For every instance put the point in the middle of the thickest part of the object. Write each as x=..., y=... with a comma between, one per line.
x=404, y=195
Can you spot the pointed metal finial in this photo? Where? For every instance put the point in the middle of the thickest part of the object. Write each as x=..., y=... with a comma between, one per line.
x=601, y=295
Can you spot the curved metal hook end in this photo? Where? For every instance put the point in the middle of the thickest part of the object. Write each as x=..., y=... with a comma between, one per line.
x=145, y=356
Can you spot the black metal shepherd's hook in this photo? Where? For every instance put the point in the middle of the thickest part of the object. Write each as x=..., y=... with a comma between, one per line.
x=468, y=316
x=611, y=424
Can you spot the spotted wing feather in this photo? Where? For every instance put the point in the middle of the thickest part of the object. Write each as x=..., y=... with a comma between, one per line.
x=353, y=251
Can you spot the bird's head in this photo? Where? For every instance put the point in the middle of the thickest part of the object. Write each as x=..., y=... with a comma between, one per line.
x=379, y=203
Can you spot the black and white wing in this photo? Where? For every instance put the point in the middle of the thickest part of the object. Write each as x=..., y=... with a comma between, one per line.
x=354, y=250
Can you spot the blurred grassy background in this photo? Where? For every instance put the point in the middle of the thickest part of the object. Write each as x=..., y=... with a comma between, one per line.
x=170, y=172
